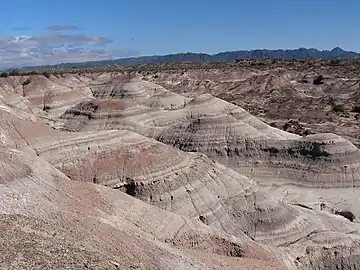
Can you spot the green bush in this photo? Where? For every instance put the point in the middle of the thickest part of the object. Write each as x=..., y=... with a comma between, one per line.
x=338, y=108
x=335, y=62
x=33, y=73
x=4, y=75
x=26, y=82
x=14, y=73
x=46, y=74
x=356, y=109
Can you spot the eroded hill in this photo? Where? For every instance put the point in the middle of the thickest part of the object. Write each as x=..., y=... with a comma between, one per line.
x=319, y=97
x=117, y=171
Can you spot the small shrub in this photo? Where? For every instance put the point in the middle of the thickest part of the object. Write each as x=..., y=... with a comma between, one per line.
x=318, y=80
x=26, y=82
x=346, y=214
x=356, y=109
x=47, y=100
x=335, y=62
x=33, y=72
x=14, y=73
x=46, y=74
x=303, y=81
x=338, y=108
x=4, y=75
x=46, y=108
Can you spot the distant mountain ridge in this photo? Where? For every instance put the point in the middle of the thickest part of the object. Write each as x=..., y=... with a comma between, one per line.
x=285, y=54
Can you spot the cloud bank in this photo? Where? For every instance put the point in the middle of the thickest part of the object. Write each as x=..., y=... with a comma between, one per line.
x=62, y=27
x=55, y=48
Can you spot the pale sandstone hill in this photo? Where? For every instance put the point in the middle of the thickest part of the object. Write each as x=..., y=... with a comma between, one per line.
x=228, y=134
x=280, y=161
x=72, y=224
x=279, y=93
x=66, y=223
x=55, y=94
x=132, y=88
x=188, y=184
x=331, y=250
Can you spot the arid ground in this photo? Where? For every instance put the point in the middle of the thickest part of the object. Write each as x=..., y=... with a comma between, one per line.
x=248, y=165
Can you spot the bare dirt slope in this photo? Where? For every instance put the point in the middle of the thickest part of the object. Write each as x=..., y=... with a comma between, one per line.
x=309, y=93
x=281, y=162
x=51, y=221
x=112, y=171
x=65, y=223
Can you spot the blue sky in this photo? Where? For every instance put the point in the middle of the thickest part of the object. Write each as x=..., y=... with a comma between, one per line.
x=43, y=31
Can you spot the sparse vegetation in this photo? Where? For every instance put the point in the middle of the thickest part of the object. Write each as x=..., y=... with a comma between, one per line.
x=47, y=100
x=347, y=65
x=318, y=80
x=14, y=73
x=4, y=75
x=208, y=125
x=32, y=73
x=303, y=81
x=346, y=214
x=26, y=82
x=356, y=109
x=335, y=62
x=46, y=74
x=338, y=108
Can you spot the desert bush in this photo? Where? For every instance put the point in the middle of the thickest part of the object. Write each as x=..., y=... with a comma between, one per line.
x=26, y=82
x=338, y=108
x=33, y=72
x=335, y=62
x=318, y=80
x=303, y=81
x=4, y=75
x=356, y=109
x=46, y=74
x=14, y=73
x=47, y=100
x=346, y=214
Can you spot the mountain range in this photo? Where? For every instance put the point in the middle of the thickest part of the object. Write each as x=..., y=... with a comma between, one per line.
x=287, y=54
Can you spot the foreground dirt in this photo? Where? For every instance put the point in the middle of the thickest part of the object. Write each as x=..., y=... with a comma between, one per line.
x=115, y=171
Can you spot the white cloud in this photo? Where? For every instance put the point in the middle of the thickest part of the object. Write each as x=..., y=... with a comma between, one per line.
x=17, y=51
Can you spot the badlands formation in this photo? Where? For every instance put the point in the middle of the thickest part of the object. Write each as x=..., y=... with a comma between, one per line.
x=123, y=170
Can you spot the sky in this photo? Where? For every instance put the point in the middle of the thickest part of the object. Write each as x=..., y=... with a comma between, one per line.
x=38, y=32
